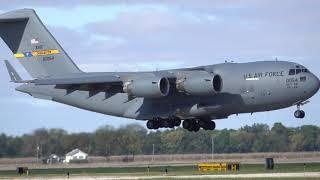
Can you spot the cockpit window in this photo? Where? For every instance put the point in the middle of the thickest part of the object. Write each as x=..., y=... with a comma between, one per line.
x=298, y=71
x=292, y=72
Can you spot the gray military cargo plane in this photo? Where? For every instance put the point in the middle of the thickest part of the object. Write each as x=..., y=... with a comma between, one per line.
x=195, y=95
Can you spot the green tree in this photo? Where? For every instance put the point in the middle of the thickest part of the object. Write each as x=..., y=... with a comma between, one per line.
x=14, y=146
x=279, y=139
x=310, y=134
x=171, y=140
x=3, y=145
x=241, y=141
x=131, y=139
x=153, y=138
x=296, y=142
x=222, y=143
x=56, y=141
x=105, y=141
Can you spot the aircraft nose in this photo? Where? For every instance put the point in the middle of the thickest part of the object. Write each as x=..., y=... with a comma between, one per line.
x=318, y=83
x=315, y=83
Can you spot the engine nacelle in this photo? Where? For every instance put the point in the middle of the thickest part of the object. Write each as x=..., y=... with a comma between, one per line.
x=148, y=87
x=201, y=84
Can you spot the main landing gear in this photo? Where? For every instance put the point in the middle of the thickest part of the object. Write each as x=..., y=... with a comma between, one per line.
x=189, y=124
x=299, y=113
x=196, y=124
x=163, y=123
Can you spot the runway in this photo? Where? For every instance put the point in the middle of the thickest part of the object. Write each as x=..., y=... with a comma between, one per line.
x=227, y=176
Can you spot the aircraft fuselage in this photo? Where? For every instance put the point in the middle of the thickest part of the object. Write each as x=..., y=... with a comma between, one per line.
x=247, y=88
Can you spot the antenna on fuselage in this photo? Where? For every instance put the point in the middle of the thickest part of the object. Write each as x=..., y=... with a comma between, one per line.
x=226, y=61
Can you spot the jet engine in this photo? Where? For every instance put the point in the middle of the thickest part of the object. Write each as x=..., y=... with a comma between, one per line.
x=201, y=84
x=148, y=87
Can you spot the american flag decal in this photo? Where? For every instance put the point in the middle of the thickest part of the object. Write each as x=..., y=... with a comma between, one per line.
x=34, y=41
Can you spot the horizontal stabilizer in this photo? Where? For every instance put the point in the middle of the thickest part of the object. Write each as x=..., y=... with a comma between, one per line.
x=12, y=72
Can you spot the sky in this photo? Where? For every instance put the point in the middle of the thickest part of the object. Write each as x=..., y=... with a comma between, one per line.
x=117, y=35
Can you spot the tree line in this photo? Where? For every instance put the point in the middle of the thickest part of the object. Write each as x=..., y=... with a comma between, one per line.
x=134, y=139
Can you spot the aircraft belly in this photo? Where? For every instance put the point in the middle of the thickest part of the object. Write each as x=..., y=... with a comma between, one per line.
x=115, y=105
x=119, y=104
x=111, y=104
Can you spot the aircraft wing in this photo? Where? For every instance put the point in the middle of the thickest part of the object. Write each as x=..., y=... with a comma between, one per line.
x=83, y=81
x=78, y=80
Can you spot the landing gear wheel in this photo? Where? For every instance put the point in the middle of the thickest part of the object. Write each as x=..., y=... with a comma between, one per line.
x=196, y=127
x=302, y=114
x=186, y=124
x=166, y=123
x=192, y=123
x=150, y=124
x=156, y=124
x=211, y=125
x=299, y=114
x=170, y=123
x=177, y=122
x=203, y=124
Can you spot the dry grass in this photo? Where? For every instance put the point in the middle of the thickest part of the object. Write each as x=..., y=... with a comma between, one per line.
x=142, y=160
x=208, y=157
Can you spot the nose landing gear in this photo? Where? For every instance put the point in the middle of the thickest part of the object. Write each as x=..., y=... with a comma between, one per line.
x=299, y=113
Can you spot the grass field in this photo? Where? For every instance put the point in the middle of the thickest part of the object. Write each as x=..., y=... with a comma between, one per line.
x=159, y=170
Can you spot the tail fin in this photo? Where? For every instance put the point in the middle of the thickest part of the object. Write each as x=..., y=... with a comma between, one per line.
x=33, y=45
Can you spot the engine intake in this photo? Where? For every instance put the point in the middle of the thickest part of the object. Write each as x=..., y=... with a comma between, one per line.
x=217, y=83
x=148, y=87
x=202, y=84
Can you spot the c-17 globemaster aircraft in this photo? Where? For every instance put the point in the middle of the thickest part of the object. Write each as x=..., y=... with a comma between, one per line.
x=195, y=95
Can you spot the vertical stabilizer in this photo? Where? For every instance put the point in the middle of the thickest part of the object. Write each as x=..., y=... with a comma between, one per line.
x=33, y=45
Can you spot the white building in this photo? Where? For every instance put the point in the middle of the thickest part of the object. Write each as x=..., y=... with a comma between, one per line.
x=76, y=154
x=53, y=158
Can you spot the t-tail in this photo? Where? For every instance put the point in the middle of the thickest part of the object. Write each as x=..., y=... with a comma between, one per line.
x=33, y=45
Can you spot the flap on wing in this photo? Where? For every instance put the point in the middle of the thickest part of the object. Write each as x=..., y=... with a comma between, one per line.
x=213, y=108
x=78, y=80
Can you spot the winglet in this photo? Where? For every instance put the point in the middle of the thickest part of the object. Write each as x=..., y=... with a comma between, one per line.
x=12, y=72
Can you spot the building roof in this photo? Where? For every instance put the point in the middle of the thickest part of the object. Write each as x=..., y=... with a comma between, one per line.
x=53, y=156
x=75, y=151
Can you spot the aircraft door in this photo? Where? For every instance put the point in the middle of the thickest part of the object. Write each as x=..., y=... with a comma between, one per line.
x=248, y=95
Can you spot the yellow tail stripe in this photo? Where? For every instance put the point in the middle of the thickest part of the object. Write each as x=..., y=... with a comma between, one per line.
x=38, y=53
x=45, y=52
x=19, y=55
